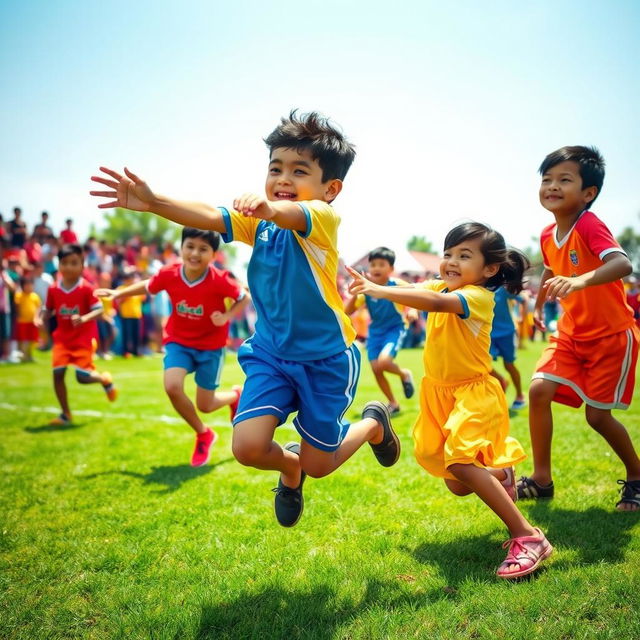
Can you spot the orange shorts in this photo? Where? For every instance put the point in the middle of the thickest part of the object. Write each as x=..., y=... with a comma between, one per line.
x=79, y=357
x=599, y=372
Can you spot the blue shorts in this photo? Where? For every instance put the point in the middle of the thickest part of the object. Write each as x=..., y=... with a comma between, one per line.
x=207, y=363
x=320, y=391
x=387, y=343
x=504, y=346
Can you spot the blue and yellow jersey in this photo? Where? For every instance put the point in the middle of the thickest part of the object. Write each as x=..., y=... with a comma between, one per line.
x=385, y=315
x=292, y=278
x=457, y=346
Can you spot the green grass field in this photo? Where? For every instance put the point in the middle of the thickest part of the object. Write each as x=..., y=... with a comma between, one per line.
x=107, y=532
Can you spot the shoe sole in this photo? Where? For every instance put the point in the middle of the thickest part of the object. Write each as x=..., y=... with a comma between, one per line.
x=385, y=412
x=289, y=447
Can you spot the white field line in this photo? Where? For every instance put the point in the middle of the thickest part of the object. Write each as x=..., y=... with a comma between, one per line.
x=117, y=416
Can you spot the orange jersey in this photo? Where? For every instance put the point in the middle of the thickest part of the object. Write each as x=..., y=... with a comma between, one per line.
x=594, y=312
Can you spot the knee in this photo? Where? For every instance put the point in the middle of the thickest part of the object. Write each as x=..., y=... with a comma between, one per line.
x=314, y=470
x=457, y=488
x=376, y=366
x=173, y=389
x=82, y=378
x=597, y=420
x=206, y=405
x=541, y=392
x=246, y=453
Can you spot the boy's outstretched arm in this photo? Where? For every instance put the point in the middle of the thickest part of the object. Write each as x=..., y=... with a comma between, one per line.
x=131, y=192
x=421, y=299
x=616, y=265
x=135, y=289
x=286, y=214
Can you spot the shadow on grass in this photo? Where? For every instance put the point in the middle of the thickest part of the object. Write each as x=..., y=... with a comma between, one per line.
x=48, y=428
x=279, y=612
x=595, y=534
x=171, y=477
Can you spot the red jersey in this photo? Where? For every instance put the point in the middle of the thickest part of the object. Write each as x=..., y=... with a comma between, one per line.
x=68, y=236
x=597, y=311
x=193, y=303
x=65, y=303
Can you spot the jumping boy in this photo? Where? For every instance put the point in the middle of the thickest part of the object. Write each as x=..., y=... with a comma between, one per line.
x=593, y=358
x=301, y=357
x=196, y=332
x=387, y=329
x=73, y=302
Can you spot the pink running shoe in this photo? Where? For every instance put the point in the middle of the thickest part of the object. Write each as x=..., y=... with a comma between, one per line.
x=202, y=451
x=233, y=407
x=527, y=552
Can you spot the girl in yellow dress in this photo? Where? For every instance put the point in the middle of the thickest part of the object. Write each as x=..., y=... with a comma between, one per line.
x=462, y=431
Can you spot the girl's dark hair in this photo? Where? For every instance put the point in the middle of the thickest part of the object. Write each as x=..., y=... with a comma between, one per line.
x=212, y=238
x=383, y=253
x=313, y=132
x=512, y=263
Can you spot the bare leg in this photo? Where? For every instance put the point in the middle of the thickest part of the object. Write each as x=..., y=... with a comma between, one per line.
x=208, y=400
x=60, y=388
x=541, y=394
x=317, y=463
x=488, y=488
x=500, y=378
x=383, y=383
x=174, y=387
x=253, y=446
x=618, y=439
x=517, y=380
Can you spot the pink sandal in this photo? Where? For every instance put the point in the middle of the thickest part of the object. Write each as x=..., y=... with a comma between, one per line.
x=527, y=552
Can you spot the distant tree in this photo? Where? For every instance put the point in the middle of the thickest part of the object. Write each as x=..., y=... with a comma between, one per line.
x=629, y=240
x=534, y=254
x=420, y=243
x=123, y=224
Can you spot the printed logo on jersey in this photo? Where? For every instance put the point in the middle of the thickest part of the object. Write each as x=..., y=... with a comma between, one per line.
x=185, y=310
x=264, y=235
x=69, y=311
x=573, y=256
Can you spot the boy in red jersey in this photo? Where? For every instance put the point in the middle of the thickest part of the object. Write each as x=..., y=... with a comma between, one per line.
x=196, y=332
x=75, y=307
x=593, y=358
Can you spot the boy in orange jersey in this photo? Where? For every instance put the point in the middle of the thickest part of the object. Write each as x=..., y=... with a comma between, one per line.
x=593, y=358
x=76, y=307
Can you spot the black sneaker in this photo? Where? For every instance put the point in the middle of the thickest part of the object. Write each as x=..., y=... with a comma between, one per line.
x=388, y=451
x=528, y=488
x=289, y=502
x=407, y=386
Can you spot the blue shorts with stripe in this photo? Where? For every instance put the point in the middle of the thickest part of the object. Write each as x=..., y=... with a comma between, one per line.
x=207, y=363
x=504, y=346
x=387, y=343
x=320, y=391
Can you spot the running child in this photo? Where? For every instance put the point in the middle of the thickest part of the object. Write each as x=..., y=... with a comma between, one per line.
x=196, y=332
x=302, y=357
x=75, y=306
x=503, y=342
x=593, y=357
x=462, y=431
x=387, y=328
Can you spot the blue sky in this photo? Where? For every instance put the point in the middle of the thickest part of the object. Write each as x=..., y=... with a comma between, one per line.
x=452, y=106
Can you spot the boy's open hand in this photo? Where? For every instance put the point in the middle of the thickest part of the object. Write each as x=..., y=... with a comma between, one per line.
x=361, y=285
x=538, y=319
x=252, y=205
x=129, y=191
x=76, y=320
x=560, y=287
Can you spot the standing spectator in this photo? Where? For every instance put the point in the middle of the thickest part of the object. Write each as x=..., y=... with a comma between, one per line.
x=131, y=318
x=42, y=231
x=68, y=235
x=41, y=283
x=7, y=287
x=17, y=229
x=50, y=256
x=3, y=233
x=105, y=261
